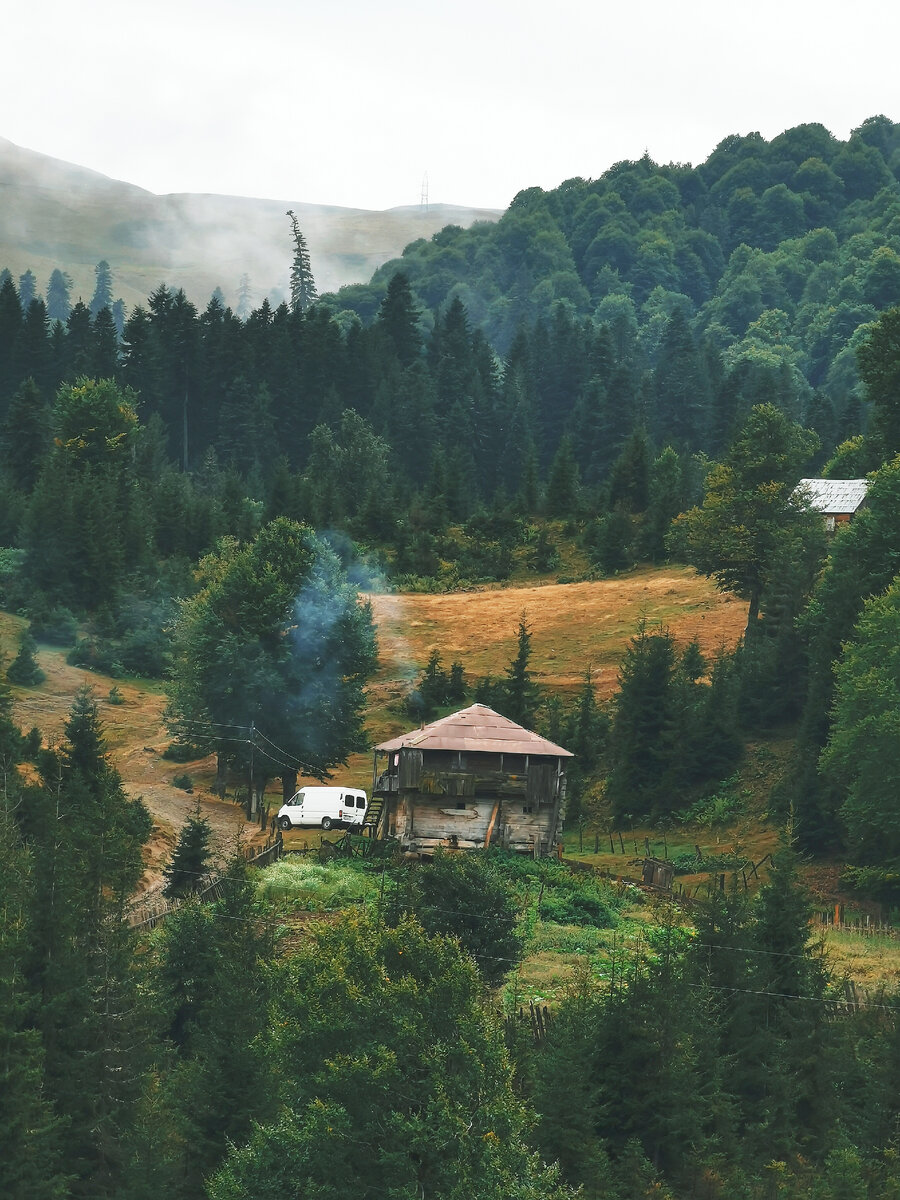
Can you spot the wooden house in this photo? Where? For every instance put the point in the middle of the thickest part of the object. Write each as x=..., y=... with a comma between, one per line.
x=838, y=500
x=470, y=780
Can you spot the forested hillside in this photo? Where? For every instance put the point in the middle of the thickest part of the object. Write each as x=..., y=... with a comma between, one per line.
x=54, y=214
x=634, y=370
x=775, y=253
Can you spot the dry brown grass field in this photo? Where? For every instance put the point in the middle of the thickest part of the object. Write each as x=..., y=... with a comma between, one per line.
x=574, y=626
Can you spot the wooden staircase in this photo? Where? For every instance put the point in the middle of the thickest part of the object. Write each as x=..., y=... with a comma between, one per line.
x=373, y=815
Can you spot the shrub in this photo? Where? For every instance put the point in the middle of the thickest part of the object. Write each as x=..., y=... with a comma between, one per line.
x=95, y=654
x=315, y=886
x=56, y=625
x=465, y=896
x=115, y=696
x=576, y=908
x=11, y=576
x=24, y=669
x=184, y=782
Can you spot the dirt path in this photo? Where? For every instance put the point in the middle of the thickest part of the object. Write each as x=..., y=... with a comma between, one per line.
x=136, y=737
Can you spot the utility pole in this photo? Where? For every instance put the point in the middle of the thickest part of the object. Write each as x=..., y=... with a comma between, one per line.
x=253, y=805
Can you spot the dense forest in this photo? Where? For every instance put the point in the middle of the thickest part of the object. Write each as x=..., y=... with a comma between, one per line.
x=641, y=367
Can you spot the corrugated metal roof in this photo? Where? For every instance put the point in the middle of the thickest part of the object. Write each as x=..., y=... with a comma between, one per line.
x=833, y=496
x=477, y=728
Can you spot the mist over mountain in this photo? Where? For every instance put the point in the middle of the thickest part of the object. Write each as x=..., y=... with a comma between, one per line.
x=58, y=214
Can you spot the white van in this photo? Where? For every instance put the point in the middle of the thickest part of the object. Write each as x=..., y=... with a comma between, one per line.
x=325, y=806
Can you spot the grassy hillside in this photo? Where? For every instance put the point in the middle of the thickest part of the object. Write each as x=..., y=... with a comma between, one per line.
x=56, y=214
x=574, y=625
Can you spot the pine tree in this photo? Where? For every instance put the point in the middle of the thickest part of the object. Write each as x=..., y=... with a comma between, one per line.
x=190, y=860
x=88, y=837
x=25, y=435
x=102, y=297
x=562, y=487
x=24, y=669
x=58, y=303
x=27, y=289
x=520, y=695
x=106, y=351
x=643, y=733
x=303, y=285
x=398, y=317
x=245, y=298
x=29, y=1132
x=214, y=986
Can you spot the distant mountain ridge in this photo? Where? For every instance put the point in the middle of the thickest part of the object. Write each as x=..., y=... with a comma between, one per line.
x=59, y=214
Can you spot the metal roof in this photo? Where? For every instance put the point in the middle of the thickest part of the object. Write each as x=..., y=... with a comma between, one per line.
x=477, y=728
x=833, y=496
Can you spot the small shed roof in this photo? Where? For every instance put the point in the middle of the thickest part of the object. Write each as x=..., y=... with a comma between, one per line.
x=476, y=728
x=834, y=496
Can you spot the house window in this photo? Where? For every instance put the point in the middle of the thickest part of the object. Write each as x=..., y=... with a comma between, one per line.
x=829, y=524
x=437, y=760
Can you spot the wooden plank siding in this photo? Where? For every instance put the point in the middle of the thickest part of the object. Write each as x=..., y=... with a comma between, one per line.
x=472, y=779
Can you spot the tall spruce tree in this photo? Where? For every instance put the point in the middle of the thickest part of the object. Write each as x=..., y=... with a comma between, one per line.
x=303, y=285
x=187, y=870
x=102, y=297
x=58, y=290
x=517, y=695
x=30, y=1151
x=87, y=837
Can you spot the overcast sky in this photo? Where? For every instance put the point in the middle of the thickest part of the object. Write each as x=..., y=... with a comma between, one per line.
x=352, y=102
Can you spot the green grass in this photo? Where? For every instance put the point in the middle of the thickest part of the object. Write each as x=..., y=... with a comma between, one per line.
x=315, y=887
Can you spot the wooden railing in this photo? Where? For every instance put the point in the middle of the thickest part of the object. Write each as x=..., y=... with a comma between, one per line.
x=148, y=916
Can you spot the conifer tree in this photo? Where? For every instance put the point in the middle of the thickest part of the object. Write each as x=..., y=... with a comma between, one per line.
x=187, y=869
x=562, y=486
x=27, y=289
x=398, y=317
x=30, y=1167
x=245, y=298
x=25, y=435
x=24, y=669
x=88, y=835
x=106, y=349
x=303, y=285
x=214, y=986
x=58, y=303
x=518, y=695
x=643, y=732
x=102, y=297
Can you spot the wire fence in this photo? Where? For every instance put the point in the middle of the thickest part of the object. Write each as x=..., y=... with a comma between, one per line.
x=148, y=916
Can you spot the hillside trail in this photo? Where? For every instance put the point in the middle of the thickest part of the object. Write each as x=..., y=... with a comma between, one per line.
x=135, y=738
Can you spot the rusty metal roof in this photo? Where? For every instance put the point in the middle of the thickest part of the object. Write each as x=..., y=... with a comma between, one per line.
x=831, y=497
x=477, y=728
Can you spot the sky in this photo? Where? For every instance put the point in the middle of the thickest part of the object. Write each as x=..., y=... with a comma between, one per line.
x=356, y=103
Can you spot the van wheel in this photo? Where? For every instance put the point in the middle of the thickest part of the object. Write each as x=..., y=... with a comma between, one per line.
x=327, y=822
x=285, y=823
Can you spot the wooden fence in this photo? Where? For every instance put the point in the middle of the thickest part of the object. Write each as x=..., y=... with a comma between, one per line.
x=866, y=924
x=537, y=1017
x=147, y=917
